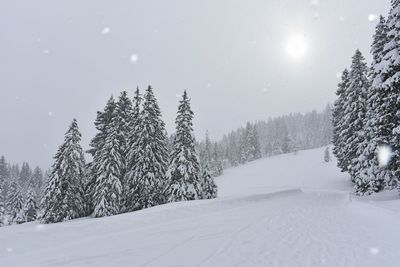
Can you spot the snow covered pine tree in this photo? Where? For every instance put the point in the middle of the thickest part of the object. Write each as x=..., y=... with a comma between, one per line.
x=64, y=197
x=146, y=179
x=183, y=174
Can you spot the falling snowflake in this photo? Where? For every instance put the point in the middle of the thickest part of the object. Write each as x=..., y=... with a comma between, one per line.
x=134, y=58
x=50, y=113
x=105, y=31
x=384, y=155
x=46, y=52
x=372, y=17
x=9, y=249
x=314, y=2
x=374, y=251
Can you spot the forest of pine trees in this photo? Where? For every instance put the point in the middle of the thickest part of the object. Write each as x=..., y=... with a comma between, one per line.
x=275, y=136
x=366, y=118
x=21, y=189
x=136, y=165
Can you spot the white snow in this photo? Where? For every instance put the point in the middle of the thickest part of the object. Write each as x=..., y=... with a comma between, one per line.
x=288, y=210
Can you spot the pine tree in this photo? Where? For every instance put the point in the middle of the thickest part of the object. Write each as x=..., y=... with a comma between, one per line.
x=15, y=205
x=338, y=122
x=103, y=119
x=123, y=129
x=25, y=174
x=36, y=183
x=388, y=83
x=2, y=206
x=64, y=197
x=184, y=169
x=354, y=110
x=146, y=179
x=327, y=156
x=210, y=189
x=107, y=193
x=4, y=173
x=131, y=153
x=30, y=207
x=216, y=163
x=370, y=176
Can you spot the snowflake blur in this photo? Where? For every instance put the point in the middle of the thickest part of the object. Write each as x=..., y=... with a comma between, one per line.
x=384, y=155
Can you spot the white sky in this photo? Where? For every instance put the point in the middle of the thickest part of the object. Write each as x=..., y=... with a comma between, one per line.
x=63, y=59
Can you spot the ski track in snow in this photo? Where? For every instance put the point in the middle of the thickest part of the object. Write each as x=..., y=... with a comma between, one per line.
x=264, y=221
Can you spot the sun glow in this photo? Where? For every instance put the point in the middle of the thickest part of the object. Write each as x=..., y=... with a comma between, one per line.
x=296, y=46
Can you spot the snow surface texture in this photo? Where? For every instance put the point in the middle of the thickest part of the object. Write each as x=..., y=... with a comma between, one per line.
x=288, y=210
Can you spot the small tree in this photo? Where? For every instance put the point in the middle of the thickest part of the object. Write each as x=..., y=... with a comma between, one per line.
x=327, y=155
x=30, y=207
x=210, y=189
x=15, y=205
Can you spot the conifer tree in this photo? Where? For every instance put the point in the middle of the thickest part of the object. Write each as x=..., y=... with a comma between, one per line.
x=107, y=192
x=146, y=179
x=30, y=207
x=184, y=170
x=327, y=156
x=2, y=206
x=388, y=81
x=131, y=153
x=37, y=183
x=101, y=123
x=338, y=121
x=25, y=174
x=64, y=197
x=123, y=128
x=370, y=177
x=216, y=163
x=354, y=110
x=15, y=204
x=4, y=173
x=210, y=189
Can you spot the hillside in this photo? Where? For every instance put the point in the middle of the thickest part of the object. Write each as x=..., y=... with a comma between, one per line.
x=288, y=210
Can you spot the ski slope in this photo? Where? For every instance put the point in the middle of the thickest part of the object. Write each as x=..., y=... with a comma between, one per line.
x=288, y=210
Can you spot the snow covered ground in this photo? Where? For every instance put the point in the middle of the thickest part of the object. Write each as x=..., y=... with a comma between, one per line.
x=288, y=210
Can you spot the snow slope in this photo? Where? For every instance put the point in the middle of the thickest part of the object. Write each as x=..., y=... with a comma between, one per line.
x=289, y=210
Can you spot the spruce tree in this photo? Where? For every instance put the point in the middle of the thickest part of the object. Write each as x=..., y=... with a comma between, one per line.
x=30, y=207
x=216, y=163
x=131, y=153
x=101, y=123
x=64, y=197
x=370, y=176
x=389, y=85
x=210, y=189
x=146, y=179
x=338, y=122
x=327, y=156
x=123, y=129
x=354, y=110
x=4, y=172
x=107, y=193
x=2, y=206
x=184, y=170
x=15, y=204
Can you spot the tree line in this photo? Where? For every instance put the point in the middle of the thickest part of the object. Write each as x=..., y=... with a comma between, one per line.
x=20, y=192
x=366, y=116
x=283, y=134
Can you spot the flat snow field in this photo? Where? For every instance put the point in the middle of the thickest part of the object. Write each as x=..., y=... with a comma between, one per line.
x=288, y=210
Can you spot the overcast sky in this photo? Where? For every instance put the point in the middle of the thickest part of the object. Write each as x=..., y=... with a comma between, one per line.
x=63, y=59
